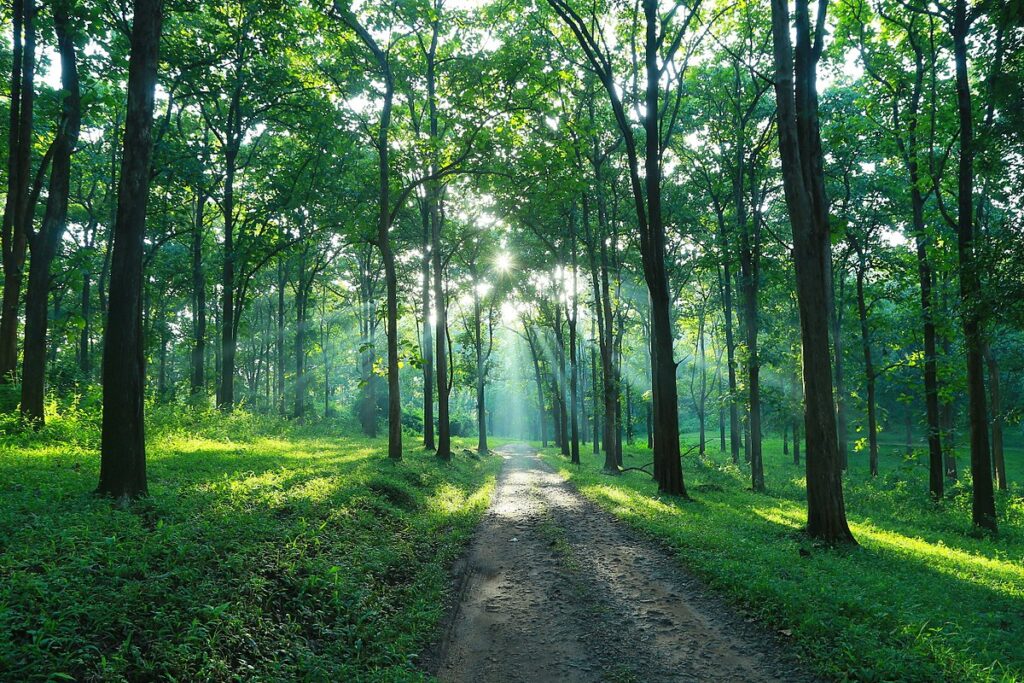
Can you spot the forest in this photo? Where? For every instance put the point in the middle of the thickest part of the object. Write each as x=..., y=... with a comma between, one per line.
x=512, y=340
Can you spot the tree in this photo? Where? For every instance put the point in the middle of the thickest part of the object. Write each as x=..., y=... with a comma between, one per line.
x=123, y=447
x=20, y=203
x=659, y=54
x=44, y=242
x=804, y=187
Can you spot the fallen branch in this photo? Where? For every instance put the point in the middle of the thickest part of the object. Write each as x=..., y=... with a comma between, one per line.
x=643, y=468
x=638, y=469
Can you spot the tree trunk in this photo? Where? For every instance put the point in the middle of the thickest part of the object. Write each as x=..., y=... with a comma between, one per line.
x=123, y=448
x=541, y=413
x=869, y=366
x=750, y=272
x=560, y=381
x=730, y=342
x=481, y=398
x=836, y=315
x=444, y=433
x=983, y=509
x=229, y=343
x=931, y=371
x=301, y=309
x=571, y=315
x=85, y=336
x=427, y=342
x=45, y=242
x=394, y=386
x=998, y=456
x=282, y=280
x=721, y=413
x=804, y=186
x=198, y=379
x=18, y=210
x=796, y=442
x=595, y=400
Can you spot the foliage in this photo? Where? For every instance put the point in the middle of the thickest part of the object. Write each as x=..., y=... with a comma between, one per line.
x=261, y=554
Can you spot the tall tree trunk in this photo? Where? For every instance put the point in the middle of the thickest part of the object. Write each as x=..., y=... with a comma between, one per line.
x=18, y=210
x=282, y=279
x=198, y=379
x=721, y=414
x=983, y=508
x=796, y=442
x=702, y=396
x=229, y=342
x=804, y=186
x=541, y=412
x=481, y=398
x=609, y=376
x=45, y=242
x=998, y=456
x=560, y=382
x=123, y=448
x=427, y=342
x=444, y=438
x=750, y=275
x=301, y=308
x=572, y=318
x=85, y=336
x=836, y=315
x=394, y=386
x=730, y=342
x=869, y=366
x=931, y=370
x=595, y=400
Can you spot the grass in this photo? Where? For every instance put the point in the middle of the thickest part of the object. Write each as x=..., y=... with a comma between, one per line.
x=924, y=597
x=300, y=555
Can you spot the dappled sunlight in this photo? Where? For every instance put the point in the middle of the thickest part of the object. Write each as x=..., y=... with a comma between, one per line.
x=1006, y=576
x=790, y=517
x=896, y=591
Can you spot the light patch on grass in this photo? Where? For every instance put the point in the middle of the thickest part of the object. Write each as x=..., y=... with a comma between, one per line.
x=921, y=599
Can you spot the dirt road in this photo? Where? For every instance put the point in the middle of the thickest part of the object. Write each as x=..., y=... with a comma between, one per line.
x=554, y=589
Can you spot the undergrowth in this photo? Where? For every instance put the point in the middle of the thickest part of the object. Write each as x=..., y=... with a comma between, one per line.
x=923, y=597
x=265, y=551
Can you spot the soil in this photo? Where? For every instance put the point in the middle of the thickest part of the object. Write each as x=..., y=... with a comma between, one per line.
x=554, y=589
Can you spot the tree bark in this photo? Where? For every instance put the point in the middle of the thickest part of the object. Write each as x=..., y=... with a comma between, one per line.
x=198, y=378
x=730, y=342
x=750, y=272
x=869, y=365
x=983, y=508
x=481, y=396
x=18, y=209
x=804, y=187
x=46, y=240
x=998, y=455
x=444, y=438
x=541, y=412
x=123, y=448
x=427, y=341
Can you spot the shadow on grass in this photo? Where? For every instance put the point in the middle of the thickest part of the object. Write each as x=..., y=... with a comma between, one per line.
x=318, y=560
x=897, y=607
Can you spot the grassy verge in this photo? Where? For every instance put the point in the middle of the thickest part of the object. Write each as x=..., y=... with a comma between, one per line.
x=297, y=556
x=921, y=599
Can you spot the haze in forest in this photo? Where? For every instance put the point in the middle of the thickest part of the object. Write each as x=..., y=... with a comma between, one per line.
x=314, y=313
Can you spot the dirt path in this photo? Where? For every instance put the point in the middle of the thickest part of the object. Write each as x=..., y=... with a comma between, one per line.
x=554, y=589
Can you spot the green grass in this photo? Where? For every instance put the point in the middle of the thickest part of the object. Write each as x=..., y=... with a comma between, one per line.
x=296, y=556
x=924, y=598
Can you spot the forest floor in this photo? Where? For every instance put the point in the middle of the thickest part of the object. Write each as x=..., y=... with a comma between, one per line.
x=264, y=552
x=553, y=588
x=923, y=597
